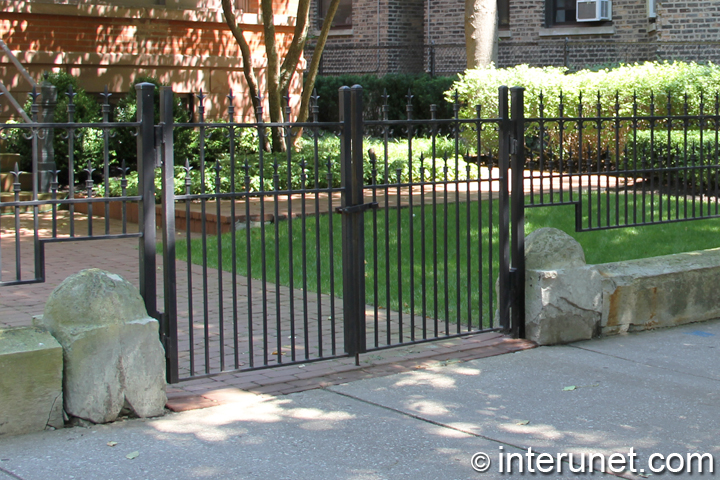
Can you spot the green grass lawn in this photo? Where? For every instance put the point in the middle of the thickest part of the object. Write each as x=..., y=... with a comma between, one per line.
x=456, y=276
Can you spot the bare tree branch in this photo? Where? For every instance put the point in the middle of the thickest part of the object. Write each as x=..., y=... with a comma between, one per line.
x=237, y=32
x=315, y=63
x=292, y=57
x=273, y=72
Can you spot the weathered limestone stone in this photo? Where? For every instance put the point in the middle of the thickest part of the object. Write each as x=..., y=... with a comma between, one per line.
x=563, y=296
x=660, y=291
x=31, y=366
x=549, y=249
x=113, y=356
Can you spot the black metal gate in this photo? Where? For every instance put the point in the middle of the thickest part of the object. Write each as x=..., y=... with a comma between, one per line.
x=323, y=258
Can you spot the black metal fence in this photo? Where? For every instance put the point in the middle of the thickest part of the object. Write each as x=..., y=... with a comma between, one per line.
x=625, y=162
x=361, y=234
x=37, y=195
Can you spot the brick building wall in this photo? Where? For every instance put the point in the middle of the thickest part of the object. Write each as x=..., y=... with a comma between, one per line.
x=682, y=30
x=386, y=36
x=191, y=50
x=689, y=30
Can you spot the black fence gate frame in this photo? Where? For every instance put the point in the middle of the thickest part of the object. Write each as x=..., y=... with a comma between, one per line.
x=352, y=209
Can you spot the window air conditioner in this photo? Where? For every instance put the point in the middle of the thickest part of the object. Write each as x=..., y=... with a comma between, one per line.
x=594, y=10
x=652, y=8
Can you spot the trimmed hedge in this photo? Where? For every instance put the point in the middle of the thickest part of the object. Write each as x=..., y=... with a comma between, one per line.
x=669, y=161
x=328, y=155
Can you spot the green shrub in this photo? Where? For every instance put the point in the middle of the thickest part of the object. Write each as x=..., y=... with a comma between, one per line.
x=123, y=145
x=426, y=91
x=669, y=160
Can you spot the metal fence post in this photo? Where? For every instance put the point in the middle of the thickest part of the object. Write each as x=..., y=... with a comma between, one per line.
x=168, y=325
x=46, y=164
x=517, y=199
x=146, y=189
x=504, y=297
x=353, y=224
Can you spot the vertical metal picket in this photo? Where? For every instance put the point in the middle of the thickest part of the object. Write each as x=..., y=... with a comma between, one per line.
x=168, y=324
x=146, y=188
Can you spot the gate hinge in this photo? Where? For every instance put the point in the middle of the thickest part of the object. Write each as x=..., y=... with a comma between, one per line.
x=357, y=208
x=513, y=146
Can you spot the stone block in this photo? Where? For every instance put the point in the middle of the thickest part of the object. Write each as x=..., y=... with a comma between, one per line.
x=660, y=292
x=114, y=360
x=31, y=398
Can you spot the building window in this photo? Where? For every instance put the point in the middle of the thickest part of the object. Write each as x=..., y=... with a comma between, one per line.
x=247, y=6
x=343, y=16
x=560, y=12
x=503, y=8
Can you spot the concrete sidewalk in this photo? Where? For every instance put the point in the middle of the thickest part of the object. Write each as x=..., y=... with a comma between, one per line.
x=656, y=392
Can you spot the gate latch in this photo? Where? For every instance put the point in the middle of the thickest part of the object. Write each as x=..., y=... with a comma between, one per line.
x=357, y=208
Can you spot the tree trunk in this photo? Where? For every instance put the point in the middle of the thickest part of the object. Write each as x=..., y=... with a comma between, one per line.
x=244, y=50
x=315, y=62
x=481, y=32
x=272, y=73
x=279, y=76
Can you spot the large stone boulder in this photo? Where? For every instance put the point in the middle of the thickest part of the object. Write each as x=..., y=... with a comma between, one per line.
x=31, y=365
x=563, y=296
x=113, y=358
x=550, y=249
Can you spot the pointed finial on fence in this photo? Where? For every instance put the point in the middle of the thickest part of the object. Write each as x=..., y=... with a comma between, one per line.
x=315, y=108
x=16, y=171
x=106, y=96
x=231, y=106
x=201, y=106
x=409, y=106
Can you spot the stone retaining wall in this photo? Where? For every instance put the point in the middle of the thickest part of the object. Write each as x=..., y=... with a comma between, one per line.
x=567, y=300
